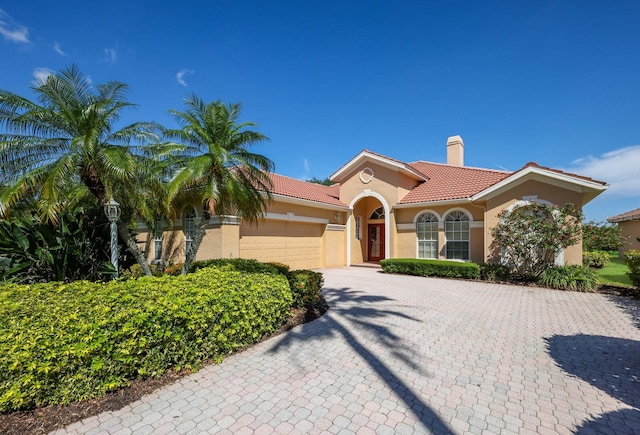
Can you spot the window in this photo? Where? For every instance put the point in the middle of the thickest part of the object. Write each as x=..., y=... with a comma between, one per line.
x=456, y=227
x=157, y=240
x=189, y=229
x=427, y=231
x=378, y=213
x=358, y=228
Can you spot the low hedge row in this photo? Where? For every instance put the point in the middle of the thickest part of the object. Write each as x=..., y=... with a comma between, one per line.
x=306, y=285
x=61, y=343
x=422, y=267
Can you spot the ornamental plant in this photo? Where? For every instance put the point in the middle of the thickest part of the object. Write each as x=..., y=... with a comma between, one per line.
x=632, y=260
x=597, y=236
x=530, y=237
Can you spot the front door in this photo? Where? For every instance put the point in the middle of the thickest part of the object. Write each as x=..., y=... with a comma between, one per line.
x=376, y=242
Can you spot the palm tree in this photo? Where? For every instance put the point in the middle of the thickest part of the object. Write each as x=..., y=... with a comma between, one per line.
x=216, y=169
x=65, y=147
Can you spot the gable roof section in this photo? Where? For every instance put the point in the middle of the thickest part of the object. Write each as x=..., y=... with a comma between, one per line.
x=369, y=156
x=286, y=187
x=448, y=182
x=589, y=187
x=632, y=215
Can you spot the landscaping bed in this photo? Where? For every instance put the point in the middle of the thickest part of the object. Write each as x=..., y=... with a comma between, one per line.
x=49, y=418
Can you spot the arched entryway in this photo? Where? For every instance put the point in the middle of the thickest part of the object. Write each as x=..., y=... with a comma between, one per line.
x=368, y=229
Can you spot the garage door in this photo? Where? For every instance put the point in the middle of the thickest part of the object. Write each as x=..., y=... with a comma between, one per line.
x=297, y=244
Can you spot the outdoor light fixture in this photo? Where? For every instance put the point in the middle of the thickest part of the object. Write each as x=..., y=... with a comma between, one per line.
x=112, y=210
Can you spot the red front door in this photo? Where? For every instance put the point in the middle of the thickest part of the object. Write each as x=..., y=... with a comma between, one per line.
x=376, y=242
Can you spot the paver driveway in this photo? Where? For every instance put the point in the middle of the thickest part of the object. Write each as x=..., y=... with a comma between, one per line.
x=399, y=354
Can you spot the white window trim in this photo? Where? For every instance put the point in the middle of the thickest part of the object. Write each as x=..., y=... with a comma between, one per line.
x=184, y=227
x=446, y=240
x=437, y=240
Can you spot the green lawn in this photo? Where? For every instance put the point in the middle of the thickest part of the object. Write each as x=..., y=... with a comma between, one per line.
x=615, y=272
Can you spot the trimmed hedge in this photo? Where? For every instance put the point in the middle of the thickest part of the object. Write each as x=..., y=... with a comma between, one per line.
x=422, y=267
x=597, y=259
x=572, y=277
x=61, y=343
x=632, y=260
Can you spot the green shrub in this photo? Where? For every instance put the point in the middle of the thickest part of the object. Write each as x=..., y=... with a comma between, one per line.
x=495, y=272
x=632, y=260
x=571, y=277
x=597, y=259
x=306, y=287
x=61, y=343
x=281, y=267
x=421, y=267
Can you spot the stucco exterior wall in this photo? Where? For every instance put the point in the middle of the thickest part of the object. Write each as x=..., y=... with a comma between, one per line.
x=407, y=245
x=542, y=191
x=334, y=248
x=630, y=231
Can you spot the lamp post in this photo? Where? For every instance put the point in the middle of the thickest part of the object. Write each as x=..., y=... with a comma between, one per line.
x=112, y=210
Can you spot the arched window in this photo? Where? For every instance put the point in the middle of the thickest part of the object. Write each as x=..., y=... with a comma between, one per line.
x=456, y=228
x=427, y=231
x=378, y=213
x=189, y=228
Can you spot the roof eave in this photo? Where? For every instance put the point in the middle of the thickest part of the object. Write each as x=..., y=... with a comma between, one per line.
x=364, y=156
x=308, y=202
x=433, y=203
x=590, y=189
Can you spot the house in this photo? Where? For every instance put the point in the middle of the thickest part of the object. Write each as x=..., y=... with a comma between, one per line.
x=380, y=208
x=629, y=223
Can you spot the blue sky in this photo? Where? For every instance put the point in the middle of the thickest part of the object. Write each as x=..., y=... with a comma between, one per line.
x=552, y=82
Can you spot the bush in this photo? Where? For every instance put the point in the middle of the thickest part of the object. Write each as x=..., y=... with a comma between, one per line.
x=571, y=277
x=422, y=267
x=495, y=272
x=61, y=343
x=77, y=248
x=603, y=236
x=595, y=259
x=632, y=260
x=529, y=237
x=306, y=287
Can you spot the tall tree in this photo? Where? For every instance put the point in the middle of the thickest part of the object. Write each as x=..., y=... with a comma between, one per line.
x=66, y=146
x=216, y=169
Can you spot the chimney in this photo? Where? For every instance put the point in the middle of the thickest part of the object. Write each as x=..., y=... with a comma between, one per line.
x=455, y=151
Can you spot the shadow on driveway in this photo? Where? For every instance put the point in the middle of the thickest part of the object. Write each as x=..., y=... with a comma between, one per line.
x=361, y=309
x=630, y=306
x=610, y=364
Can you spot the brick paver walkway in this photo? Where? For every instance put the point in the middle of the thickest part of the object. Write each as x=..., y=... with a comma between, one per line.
x=399, y=354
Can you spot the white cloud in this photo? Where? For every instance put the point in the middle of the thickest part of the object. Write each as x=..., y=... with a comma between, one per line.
x=620, y=168
x=11, y=30
x=58, y=49
x=307, y=166
x=110, y=55
x=41, y=73
x=181, y=74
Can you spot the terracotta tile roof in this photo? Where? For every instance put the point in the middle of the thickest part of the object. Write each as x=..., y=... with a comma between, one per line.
x=293, y=188
x=628, y=216
x=446, y=182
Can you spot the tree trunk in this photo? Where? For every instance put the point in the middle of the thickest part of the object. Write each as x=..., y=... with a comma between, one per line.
x=132, y=246
x=195, y=244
